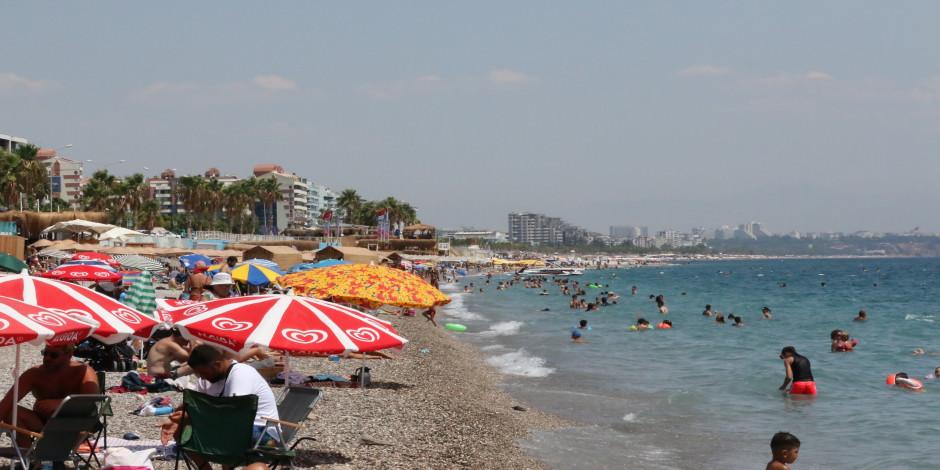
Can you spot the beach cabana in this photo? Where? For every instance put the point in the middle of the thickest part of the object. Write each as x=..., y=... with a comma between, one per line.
x=283, y=256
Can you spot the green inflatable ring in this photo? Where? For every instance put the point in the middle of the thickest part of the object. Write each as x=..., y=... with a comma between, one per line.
x=455, y=327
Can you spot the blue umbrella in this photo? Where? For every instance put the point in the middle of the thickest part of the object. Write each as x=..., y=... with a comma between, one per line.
x=263, y=262
x=189, y=261
x=308, y=266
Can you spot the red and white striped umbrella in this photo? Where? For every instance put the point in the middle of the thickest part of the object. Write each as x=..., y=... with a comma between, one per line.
x=297, y=325
x=82, y=272
x=91, y=255
x=116, y=321
x=171, y=311
x=24, y=323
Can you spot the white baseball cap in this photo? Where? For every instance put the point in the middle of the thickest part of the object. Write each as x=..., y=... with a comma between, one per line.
x=221, y=279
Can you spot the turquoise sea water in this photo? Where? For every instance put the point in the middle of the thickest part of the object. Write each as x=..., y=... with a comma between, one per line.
x=704, y=395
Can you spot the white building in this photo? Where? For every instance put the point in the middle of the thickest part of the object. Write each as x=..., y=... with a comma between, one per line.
x=10, y=143
x=65, y=176
x=291, y=210
x=319, y=199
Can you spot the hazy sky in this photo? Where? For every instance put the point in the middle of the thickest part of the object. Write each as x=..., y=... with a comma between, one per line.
x=802, y=115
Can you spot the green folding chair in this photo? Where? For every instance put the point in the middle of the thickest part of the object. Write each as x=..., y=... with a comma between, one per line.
x=76, y=419
x=219, y=430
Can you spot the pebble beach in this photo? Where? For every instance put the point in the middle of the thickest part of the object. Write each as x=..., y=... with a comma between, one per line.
x=437, y=405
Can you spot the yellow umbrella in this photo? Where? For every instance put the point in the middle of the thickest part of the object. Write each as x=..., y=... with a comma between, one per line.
x=366, y=285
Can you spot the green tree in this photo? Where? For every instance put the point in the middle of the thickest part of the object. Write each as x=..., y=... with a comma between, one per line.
x=100, y=193
x=31, y=175
x=349, y=202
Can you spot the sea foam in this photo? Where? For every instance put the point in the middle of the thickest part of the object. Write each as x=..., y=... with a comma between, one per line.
x=519, y=362
x=456, y=309
x=503, y=328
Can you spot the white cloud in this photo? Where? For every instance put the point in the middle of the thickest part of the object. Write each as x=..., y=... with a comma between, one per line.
x=817, y=75
x=704, y=71
x=12, y=82
x=508, y=77
x=274, y=83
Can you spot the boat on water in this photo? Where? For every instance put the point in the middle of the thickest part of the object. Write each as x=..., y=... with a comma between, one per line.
x=552, y=271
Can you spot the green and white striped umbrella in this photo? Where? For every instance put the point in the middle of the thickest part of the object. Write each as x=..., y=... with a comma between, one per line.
x=141, y=294
x=142, y=263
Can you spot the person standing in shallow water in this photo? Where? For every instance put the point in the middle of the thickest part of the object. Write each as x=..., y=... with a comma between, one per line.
x=798, y=372
x=661, y=304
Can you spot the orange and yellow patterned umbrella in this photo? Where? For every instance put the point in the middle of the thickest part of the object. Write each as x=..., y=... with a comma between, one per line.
x=366, y=285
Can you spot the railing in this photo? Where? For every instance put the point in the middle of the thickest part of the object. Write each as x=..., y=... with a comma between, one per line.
x=238, y=237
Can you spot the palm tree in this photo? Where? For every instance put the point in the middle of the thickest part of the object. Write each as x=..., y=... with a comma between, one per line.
x=349, y=203
x=148, y=214
x=133, y=192
x=100, y=192
x=32, y=176
x=268, y=192
x=193, y=196
x=9, y=187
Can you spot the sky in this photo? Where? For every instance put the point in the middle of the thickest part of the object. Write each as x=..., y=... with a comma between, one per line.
x=803, y=115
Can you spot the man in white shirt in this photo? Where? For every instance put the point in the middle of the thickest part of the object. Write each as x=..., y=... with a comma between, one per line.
x=221, y=377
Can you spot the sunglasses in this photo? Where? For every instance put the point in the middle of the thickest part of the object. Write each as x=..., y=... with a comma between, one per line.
x=51, y=354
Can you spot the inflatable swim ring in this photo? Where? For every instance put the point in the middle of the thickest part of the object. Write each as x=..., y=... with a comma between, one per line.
x=455, y=327
x=633, y=328
x=664, y=326
x=908, y=383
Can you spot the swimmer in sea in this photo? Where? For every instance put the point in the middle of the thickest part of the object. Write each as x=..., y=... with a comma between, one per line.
x=798, y=371
x=633, y=290
x=862, y=316
x=576, y=336
x=544, y=292
x=642, y=324
x=935, y=375
x=738, y=321
x=664, y=325
x=591, y=307
x=661, y=304
x=785, y=448
x=708, y=310
x=719, y=318
x=902, y=380
x=841, y=342
x=766, y=313
x=583, y=325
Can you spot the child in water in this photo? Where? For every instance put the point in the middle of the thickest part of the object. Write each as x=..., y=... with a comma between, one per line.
x=785, y=448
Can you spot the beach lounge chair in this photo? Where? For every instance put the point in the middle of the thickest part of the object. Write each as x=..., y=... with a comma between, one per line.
x=218, y=429
x=76, y=419
x=295, y=406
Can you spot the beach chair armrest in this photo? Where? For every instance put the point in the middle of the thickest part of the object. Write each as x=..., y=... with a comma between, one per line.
x=27, y=432
x=284, y=423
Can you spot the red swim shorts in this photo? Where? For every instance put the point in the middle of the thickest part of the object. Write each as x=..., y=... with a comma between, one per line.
x=803, y=388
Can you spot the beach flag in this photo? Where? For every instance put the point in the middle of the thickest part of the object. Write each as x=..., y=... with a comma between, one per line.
x=141, y=294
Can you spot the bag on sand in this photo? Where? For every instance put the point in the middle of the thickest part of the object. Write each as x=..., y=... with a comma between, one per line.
x=362, y=377
x=122, y=458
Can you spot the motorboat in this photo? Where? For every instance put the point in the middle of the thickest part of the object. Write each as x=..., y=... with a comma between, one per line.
x=552, y=271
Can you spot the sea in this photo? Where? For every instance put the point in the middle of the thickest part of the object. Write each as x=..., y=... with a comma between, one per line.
x=705, y=395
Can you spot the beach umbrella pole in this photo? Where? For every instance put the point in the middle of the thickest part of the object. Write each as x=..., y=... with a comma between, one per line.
x=16, y=394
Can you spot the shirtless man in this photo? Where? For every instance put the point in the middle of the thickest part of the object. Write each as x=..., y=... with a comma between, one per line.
x=50, y=382
x=196, y=283
x=164, y=352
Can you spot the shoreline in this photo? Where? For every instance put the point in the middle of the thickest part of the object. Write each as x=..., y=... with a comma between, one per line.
x=437, y=409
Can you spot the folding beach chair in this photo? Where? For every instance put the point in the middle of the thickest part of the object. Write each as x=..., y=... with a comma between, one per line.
x=76, y=419
x=295, y=406
x=217, y=429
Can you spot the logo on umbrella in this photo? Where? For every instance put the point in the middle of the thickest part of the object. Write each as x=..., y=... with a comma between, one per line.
x=364, y=334
x=102, y=274
x=304, y=336
x=4, y=324
x=127, y=315
x=47, y=318
x=194, y=310
x=227, y=324
x=79, y=315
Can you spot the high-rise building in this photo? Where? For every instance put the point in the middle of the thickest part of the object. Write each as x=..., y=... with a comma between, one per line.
x=65, y=176
x=536, y=229
x=319, y=199
x=627, y=232
x=291, y=210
